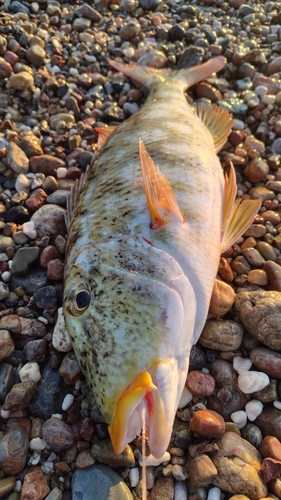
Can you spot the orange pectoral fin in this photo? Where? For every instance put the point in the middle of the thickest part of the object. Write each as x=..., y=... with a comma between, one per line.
x=162, y=203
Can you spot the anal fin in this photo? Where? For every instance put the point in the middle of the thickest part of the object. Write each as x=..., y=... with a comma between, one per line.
x=162, y=203
x=217, y=120
x=237, y=215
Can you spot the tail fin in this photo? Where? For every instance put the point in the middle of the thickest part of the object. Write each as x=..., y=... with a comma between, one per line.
x=187, y=77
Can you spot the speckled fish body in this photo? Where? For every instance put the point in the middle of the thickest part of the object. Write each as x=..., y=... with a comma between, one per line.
x=148, y=290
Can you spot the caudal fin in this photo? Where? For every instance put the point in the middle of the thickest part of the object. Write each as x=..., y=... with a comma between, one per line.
x=149, y=76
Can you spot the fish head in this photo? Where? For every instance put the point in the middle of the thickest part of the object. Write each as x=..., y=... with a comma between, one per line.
x=130, y=312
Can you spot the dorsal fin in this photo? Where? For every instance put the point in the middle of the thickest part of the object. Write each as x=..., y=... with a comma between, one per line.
x=72, y=198
x=103, y=134
x=217, y=120
x=162, y=203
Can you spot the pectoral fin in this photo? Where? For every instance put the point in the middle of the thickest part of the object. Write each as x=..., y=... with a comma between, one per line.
x=237, y=215
x=103, y=135
x=162, y=203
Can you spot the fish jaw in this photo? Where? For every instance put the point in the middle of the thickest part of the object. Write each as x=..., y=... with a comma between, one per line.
x=154, y=392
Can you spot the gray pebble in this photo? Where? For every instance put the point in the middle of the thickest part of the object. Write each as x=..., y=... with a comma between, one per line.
x=23, y=259
x=253, y=257
x=4, y=291
x=17, y=159
x=99, y=481
x=155, y=59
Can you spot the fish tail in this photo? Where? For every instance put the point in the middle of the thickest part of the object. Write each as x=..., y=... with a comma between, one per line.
x=187, y=77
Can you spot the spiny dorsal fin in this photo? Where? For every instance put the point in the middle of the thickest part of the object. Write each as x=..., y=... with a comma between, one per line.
x=103, y=134
x=72, y=198
x=162, y=203
x=237, y=215
x=217, y=120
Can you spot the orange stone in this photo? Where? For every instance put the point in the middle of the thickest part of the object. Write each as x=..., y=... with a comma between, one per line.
x=207, y=423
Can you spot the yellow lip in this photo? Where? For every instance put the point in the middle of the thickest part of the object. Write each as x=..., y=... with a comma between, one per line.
x=142, y=392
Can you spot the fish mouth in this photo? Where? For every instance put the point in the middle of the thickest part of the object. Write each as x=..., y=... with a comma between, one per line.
x=154, y=394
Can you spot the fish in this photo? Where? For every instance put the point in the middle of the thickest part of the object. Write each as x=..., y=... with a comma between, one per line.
x=146, y=229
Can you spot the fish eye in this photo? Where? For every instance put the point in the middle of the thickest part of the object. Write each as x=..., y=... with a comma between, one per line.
x=80, y=299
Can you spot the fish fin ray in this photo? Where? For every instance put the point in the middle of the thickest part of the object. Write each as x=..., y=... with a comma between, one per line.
x=237, y=215
x=72, y=198
x=103, y=135
x=187, y=77
x=162, y=203
x=218, y=121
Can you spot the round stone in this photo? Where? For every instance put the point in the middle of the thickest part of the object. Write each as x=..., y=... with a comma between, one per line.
x=200, y=384
x=207, y=423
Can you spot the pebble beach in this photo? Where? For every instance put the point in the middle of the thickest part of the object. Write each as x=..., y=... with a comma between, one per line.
x=56, y=87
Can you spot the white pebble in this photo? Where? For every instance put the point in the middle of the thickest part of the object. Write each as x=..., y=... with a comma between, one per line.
x=61, y=172
x=57, y=415
x=186, y=397
x=277, y=404
x=37, y=444
x=61, y=340
x=3, y=257
x=151, y=460
x=10, y=263
x=214, y=494
x=43, y=320
x=239, y=418
x=28, y=228
x=253, y=409
x=22, y=184
x=134, y=476
x=180, y=492
x=4, y=414
x=18, y=486
x=241, y=365
x=30, y=372
x=6, y=276
x=37, y=180
x=73, y=71
x=67, y=402
x=47, y=468
x=268, y=99
x=249, y=382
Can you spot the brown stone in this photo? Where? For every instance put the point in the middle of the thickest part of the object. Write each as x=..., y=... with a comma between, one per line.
x=69, y=369
x=200, y=384
x=19, y=396
x=271, y=469
x=104, y=452
x=207, y=423
x=163, y=488
x=45, y=164
x=14, y=447
x=7, y=345
x=36, y=199
x=48, y=253
x=267, y=360
x=222, y=298
x=198, y=448
x=57, y=434
x=256, y=170
x=270, y=447
x=55, y=269
x=34, y=485
x=201, y=471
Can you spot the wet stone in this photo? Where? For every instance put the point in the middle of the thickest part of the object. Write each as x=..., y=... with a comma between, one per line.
x=270, y=447
x=260, y=313
x=253, y=257
x=104, y=452
x=57, y=434
x=23, y=259
x=99, y=481
x=49, y=394
x=273, y=272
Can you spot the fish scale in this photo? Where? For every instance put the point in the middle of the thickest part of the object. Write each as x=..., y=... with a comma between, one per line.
x=136, y=298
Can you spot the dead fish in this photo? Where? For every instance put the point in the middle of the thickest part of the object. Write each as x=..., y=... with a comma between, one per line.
x=145, y=236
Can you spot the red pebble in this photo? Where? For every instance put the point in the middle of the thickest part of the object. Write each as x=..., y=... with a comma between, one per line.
x=207, y=423
x=200, y=384
x=270, y=447
x=48, y=253
x=11, y=57
x=55, y=269
x=271, y=469
x=36, y=199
